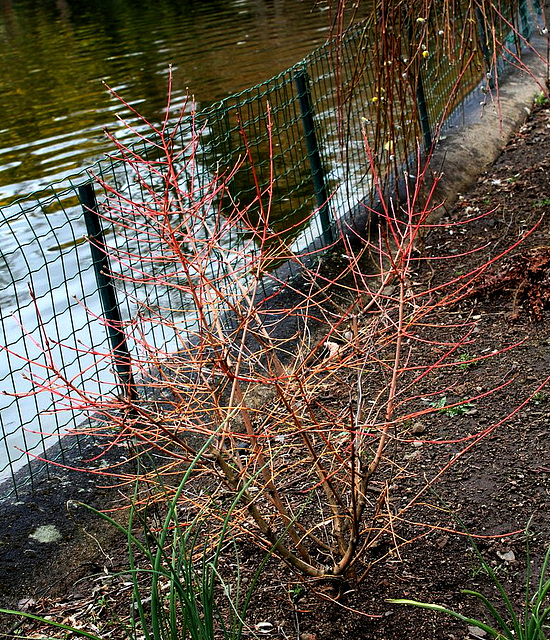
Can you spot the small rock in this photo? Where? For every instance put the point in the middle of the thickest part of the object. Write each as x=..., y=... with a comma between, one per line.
x=25, y=604
x=333, y=348
x=442, y=541
x=418, y=427
x=417, y=443
x=477, y=632
x=507, y=556
x=264, y=627
x=46, y=533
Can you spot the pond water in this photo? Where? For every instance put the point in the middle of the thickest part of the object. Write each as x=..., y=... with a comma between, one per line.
x=55, y=58
x=56, y=55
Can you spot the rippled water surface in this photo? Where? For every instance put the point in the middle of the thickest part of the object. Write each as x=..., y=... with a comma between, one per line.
x=55, y=58
x=56, y=55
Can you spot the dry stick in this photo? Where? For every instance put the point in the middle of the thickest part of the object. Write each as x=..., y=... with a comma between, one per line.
x=272, y=492
x=295, y=523
x=368, y=540
x=333, y=497
x=266, y=342
x=170, y=435
x=324, y=477
x=354, y=555
x=347, y=549
x=227, y=360
x=354, y=487
x=281, y=549
x=391, y=401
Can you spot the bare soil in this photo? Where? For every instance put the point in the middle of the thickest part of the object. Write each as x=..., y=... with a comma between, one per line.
x=499, y=482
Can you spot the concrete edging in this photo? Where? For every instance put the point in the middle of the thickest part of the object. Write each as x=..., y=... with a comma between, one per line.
x=467, y=149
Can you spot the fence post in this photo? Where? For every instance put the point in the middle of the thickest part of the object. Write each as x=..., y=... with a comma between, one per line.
x=420, y=95
x=423, y=111
x=107, y=291
x=301, y=82
x=482, y=35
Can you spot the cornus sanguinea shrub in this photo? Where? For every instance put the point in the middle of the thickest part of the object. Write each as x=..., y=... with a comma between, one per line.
x=304, y=393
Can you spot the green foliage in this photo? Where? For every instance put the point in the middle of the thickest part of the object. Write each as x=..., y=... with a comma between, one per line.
x=529, y=624
x=541, y=100
x=176, y=595
x=500, y=569
x=451, y=411
x=540, y=397
x=297, y=593
x=467, y=362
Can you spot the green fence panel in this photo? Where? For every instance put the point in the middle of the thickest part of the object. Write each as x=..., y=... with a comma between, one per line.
x=320, y=113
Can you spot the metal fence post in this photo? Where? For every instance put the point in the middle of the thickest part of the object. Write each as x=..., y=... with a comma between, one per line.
x=423, y=111
x=301, y=81
x=107, y=291
x=420, y=95
x=485, y=50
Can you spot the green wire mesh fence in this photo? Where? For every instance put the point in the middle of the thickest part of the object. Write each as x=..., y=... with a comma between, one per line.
x=320, y=111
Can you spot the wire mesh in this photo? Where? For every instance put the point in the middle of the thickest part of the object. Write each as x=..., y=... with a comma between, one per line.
x=50, y=311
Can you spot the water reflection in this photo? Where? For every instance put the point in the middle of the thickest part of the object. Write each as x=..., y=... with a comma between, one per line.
x=56, y=54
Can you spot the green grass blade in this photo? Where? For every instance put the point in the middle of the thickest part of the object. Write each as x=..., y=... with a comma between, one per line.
x=116, y=525
x=536, y=631
x=51, y=623
x=440, y=609
x=131, y=539
x=492, y=610
x=527, y=610
x=507, y=602
x=173, y=599
x=537, y=619
x=543, y=571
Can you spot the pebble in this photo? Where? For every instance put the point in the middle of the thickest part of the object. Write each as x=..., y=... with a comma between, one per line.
x=507, y=556
x=46, y=533
x=476, y=632
x=418, y=427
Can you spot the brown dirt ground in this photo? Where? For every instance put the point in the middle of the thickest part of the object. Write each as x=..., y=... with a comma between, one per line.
x=494, y=488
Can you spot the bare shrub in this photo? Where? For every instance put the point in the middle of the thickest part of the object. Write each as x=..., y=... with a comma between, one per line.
x=263, y=376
